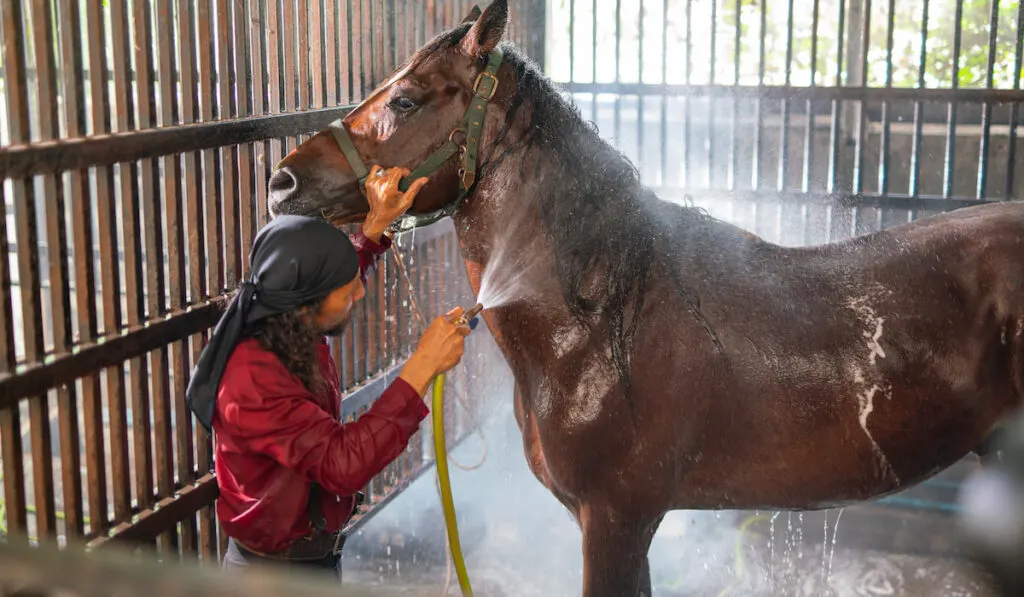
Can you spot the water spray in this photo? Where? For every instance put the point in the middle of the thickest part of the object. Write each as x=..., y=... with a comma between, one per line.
x=441, y=461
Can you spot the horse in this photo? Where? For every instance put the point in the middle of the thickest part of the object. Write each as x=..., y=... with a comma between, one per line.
x=664, y=359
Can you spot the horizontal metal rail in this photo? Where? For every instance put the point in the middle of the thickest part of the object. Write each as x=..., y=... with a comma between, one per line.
x=61, y=155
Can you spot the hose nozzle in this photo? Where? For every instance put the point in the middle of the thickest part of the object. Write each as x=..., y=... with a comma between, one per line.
x=469, y=315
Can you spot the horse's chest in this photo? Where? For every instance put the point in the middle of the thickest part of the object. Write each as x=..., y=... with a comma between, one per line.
x=575, y=394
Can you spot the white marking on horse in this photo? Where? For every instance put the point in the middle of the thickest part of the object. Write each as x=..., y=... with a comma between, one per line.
x=874, y=326
x=866, y=390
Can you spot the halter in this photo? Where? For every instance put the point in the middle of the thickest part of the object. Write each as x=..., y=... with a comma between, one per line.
x=483, y=90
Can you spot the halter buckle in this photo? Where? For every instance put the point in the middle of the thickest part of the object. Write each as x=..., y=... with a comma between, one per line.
x=490, y=92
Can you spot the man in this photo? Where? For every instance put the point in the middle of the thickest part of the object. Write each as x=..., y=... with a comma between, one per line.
x=287, y=468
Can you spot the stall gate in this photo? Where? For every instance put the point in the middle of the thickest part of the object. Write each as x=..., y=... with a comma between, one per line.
x=805, y=121
x=137, y=138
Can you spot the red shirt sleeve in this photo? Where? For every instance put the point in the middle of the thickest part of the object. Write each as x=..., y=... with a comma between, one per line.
x=369, y=251
x=276, y=416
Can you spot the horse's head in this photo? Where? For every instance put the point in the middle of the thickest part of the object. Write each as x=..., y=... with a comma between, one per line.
x=428, y=117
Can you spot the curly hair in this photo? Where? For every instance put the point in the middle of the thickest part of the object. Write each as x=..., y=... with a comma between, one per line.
x=293, y=337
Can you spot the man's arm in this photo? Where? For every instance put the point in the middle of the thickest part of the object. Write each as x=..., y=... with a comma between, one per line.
x=281, y=421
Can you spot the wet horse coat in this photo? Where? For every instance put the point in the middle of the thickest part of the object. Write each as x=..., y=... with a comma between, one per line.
x=667, y=360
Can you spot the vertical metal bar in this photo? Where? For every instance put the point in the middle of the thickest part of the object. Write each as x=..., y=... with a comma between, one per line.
x=755, y=182
x=185, y=460
x=229, y=165
x=249, y=154
x=345, y=36
x=369, y=56
x=292, y=83
x=883, y=167
x=149, y=191
x=1011, y=151
x=331, y=40
x=377, y=49
x=56, y=241
x=77, y=191
x=663, y=117
x=303, y=62
x=734, y=152
x=124, y=102
x=317, y=49
x=709, y=139
x=784, y=133
x=950, y=163
x=686, y=99
x=617, y=115
x=212, y=193
x=593, y=56
x=837, y=108
x=572, y=40
x=99, y=72
x=858, y=159
x=11, y=454
x=275, y=76
x=260, y=52
x=986, y=108
x=356, y=52
x=809, y=125
x=171, y=199
x=15, y=56
x=915, y=155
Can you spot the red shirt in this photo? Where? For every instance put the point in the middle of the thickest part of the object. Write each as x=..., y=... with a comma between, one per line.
x=273, y=437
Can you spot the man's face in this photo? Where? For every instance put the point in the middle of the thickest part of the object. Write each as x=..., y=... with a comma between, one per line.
x=336, y=310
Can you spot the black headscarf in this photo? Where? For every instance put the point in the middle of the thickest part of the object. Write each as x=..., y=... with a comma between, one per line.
x=295, y=260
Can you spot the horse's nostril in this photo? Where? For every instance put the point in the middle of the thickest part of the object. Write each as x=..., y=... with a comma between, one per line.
x=283, y=181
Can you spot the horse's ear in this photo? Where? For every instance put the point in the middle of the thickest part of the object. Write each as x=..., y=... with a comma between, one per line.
x=472, y=16
x=486, y=33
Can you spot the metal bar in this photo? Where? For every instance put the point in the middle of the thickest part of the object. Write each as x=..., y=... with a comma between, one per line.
x=12, y=21
x=229, y=164
x=836, y=199
x=663, y=117
x=809, y=124
x=858, y=157
x=163, y=515
x=915, y=156
x=377, y=47
x=291, y=86
x=77, y=191
x=207, y=225
x=784, y=133
x=275, y=75
x=171, y=199
x=641, y=121
x=709, y=141
x=345, y=82
x=837, y=106
x=947, y=173
x=686, y=97
x=301, y=20
x=617, y=111
x=317, y=48
x=124, y=105
x=1011, y=151
x=593, y=58
x=734, y=153
x=258, y=104
x=331, y=57
x=885, y=148
x=755, y=181
x=149, y=191
x=247, y=155
x=986, y=113
x=106, y=216
x=358, y=89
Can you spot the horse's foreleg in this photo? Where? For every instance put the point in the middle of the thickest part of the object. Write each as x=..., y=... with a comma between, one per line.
x=615, y=553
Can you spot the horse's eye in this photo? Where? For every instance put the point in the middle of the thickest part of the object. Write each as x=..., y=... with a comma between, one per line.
x=402, y=104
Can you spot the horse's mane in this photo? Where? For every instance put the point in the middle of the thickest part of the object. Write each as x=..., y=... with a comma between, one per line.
x=601, y=219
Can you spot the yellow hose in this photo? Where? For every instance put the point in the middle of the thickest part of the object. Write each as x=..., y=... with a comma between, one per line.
x=441, y=459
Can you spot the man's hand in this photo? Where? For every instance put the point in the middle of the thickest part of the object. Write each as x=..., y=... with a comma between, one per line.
x=439, y=350
x=387, y=203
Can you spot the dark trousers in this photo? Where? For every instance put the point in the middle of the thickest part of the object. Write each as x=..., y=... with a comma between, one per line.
x=237, y=556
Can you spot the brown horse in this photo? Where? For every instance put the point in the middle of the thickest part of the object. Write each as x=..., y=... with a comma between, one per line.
x=664, y=359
